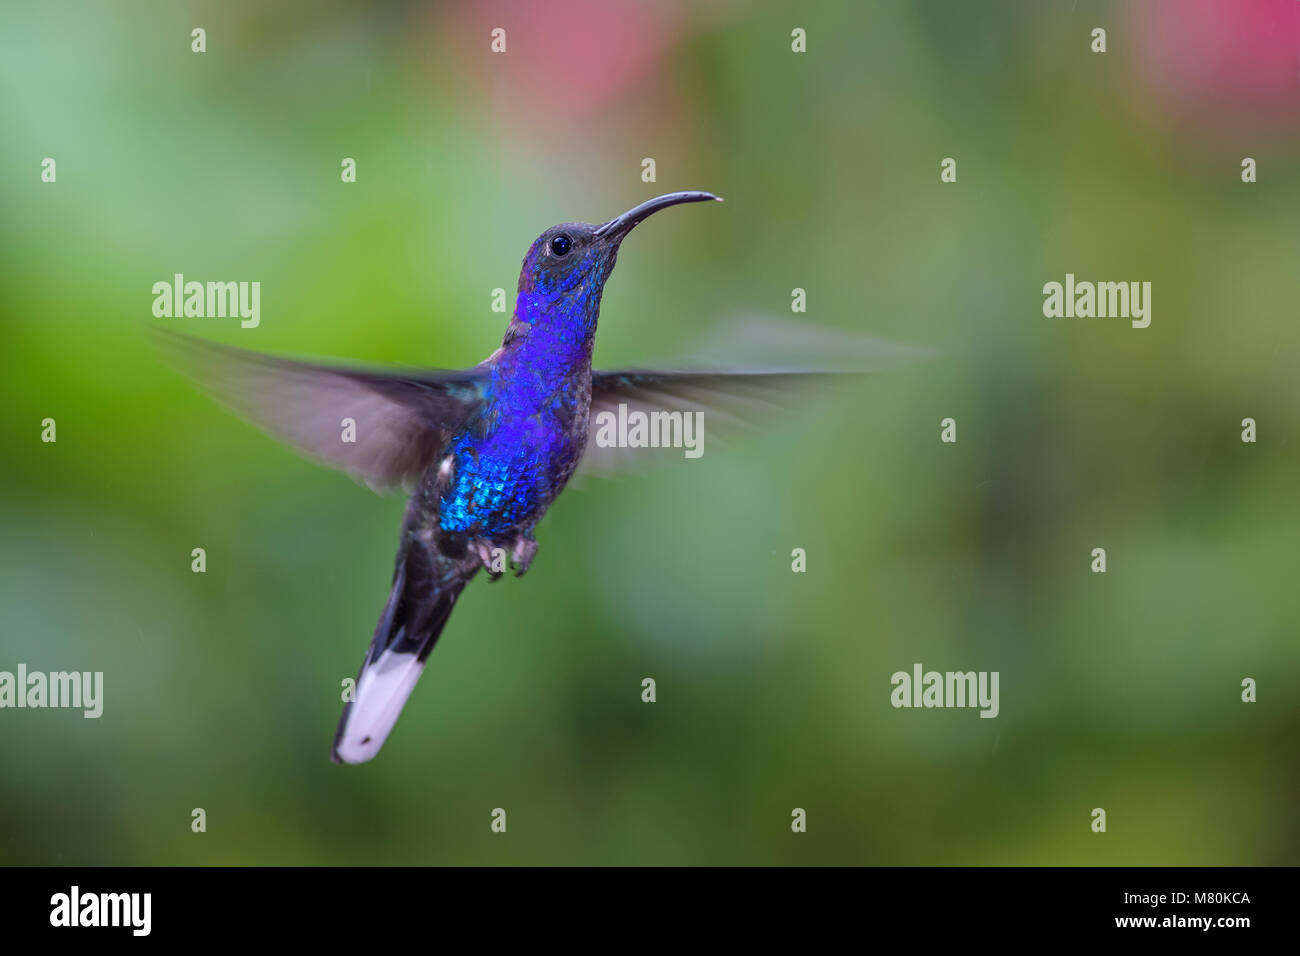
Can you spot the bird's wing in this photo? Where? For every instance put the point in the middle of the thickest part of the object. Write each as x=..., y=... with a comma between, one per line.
x=728, y=400
x=749, y=370
x=402, y=419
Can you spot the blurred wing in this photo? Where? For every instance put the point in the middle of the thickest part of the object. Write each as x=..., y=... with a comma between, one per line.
x=729, y=400
x=402, y=420
x=761, y=366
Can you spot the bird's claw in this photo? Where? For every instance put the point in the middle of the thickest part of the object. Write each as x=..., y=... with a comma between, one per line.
x=492, y=556
x=522, y=557
x=485, y=555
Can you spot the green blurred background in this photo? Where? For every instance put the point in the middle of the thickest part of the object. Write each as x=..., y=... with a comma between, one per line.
x=222, y=689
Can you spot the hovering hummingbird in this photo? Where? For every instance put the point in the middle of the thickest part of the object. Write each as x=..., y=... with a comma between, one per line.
x=484, y=451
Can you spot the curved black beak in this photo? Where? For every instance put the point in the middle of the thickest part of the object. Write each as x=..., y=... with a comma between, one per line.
x=619, y=227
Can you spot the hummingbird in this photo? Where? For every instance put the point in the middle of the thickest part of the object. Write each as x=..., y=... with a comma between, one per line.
x=483, y=451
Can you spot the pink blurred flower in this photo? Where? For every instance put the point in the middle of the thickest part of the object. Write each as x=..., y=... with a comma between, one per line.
x=1225, y=64
x=565, y=60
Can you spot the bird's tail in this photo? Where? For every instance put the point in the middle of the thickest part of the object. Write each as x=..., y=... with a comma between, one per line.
x=417, y=610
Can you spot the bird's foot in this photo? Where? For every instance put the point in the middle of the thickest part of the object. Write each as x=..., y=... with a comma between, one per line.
x=522, y=557
x=493, y=559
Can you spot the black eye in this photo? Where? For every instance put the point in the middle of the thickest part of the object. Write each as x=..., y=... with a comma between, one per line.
x=561, y=245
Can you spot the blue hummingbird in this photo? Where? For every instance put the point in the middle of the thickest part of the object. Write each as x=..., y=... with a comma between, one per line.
x=484, y=451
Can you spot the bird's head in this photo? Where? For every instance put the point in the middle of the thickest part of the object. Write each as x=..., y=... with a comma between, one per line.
x=567, y=266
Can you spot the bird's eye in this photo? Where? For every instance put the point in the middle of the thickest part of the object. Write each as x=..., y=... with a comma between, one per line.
x=561, y=245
